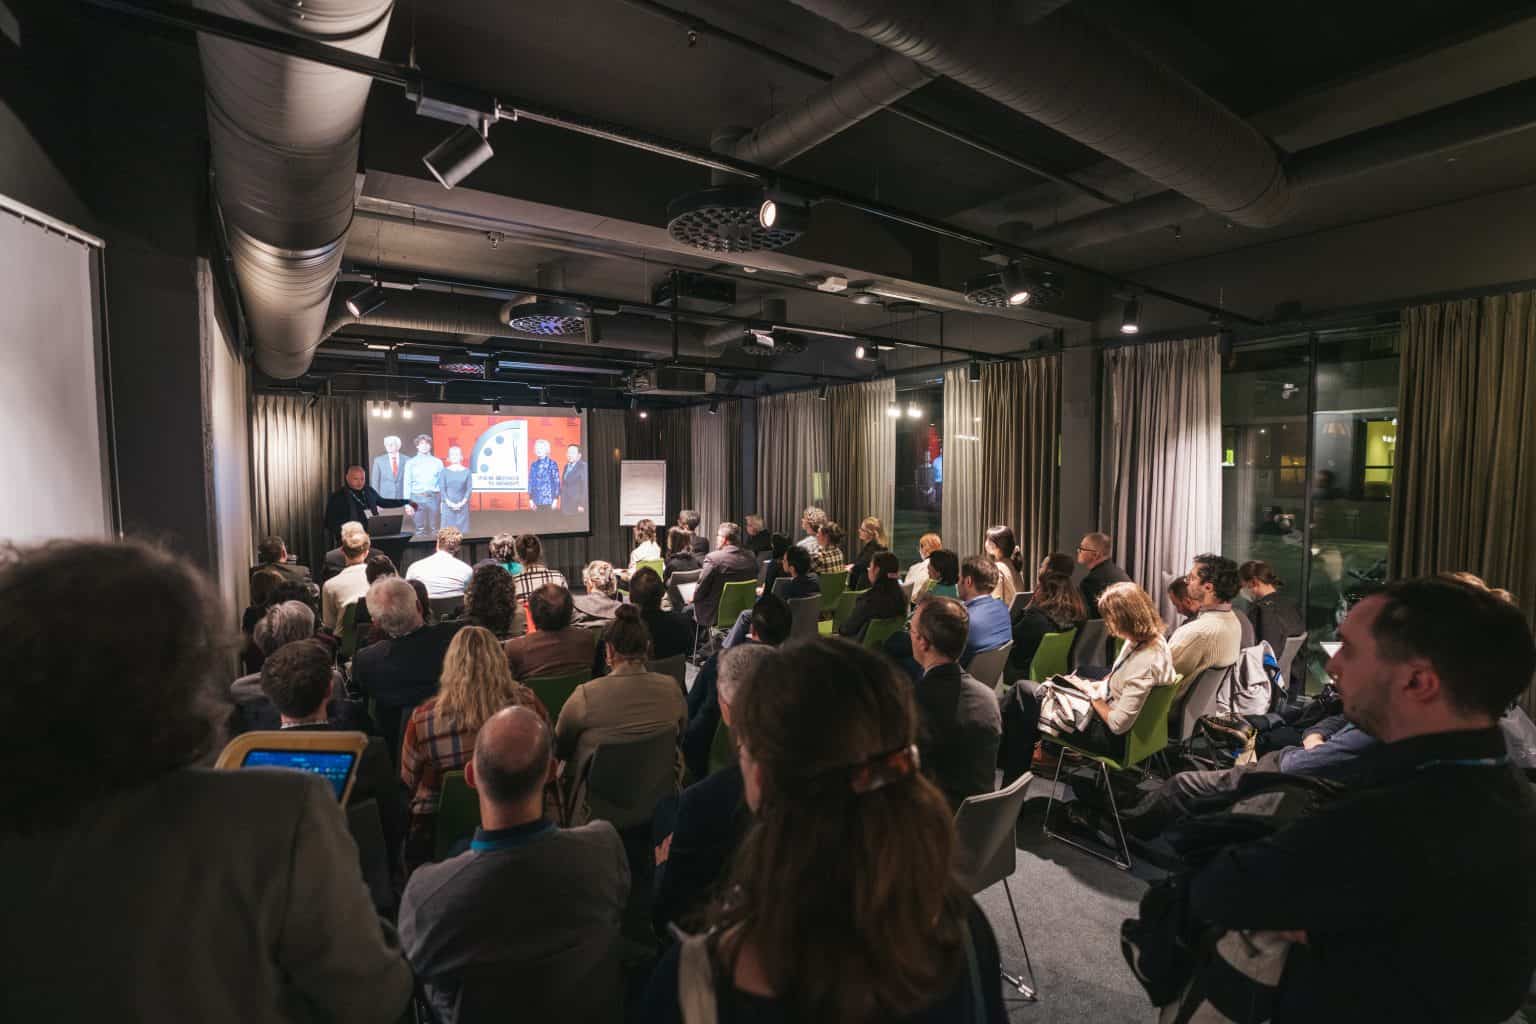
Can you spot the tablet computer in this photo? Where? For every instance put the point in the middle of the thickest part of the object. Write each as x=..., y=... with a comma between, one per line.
x=332, y=755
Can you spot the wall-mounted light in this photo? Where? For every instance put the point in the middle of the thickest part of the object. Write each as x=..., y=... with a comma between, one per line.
x=893, y=410
x=913, y=411
x=406, y=412
x=1130, y=317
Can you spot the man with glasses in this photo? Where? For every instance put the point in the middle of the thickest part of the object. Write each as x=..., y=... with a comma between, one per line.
x=1093, y=554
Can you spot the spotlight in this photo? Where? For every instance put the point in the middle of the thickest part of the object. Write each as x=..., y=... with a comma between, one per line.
x=457, y=156
x=1016, y=285
x=1130, y=320
x=314, y=400
x=373, y=408
x=543, y=397
x=714, y=406
x=913, y=412
x=973, y=371
x=406, y=412
x=893, y=410
x=821, y=391
x=858, y=353
x=389, y=411
x=644, y=414
x=495, y=407
x=365, y=300
x=768, y=214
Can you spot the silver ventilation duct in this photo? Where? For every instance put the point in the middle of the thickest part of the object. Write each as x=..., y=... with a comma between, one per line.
x=284, y=136
x=1090, y=86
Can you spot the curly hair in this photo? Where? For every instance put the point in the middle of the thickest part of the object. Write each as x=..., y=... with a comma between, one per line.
x=134, y=693
x=491, y=599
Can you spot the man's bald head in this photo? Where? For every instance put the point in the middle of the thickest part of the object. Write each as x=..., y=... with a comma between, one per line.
x=512, y=756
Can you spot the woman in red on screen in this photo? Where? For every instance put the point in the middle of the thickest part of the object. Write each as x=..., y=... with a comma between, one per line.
x=457, y=487
x=573, y=485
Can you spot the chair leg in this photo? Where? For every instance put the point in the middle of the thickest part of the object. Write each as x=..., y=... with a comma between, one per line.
x=1122, y=858
x=1030, y=990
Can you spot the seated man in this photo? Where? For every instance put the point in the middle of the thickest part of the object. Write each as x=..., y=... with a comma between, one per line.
x=990, y=624
x=443, y=571
x=711, y=815
x=960, y=722
x=728, y=563
x=401, y=670
x=352, y=582
x=1446, y=932
x=796, y=564
x=1184, y=603
x=883, y=600
x=272, y=553
x=557, y=648
x=525, y=924
x=771, y=621
x=1214, y=637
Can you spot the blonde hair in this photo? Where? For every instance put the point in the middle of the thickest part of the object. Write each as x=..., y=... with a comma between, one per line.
x=598, y=576
x=928, y=543
x=1129, y=613
x=874, y=526
x=1473, y=580
x=449, y=539
x=476, y=682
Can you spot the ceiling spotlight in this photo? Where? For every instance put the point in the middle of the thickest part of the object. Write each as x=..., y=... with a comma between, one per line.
x=821, y=390
x=644, y=414
x=913, y=411
x=365, y=300
x=1016, y=284
x=389, y=411
x=495, y=407
x=893, y=410
x=544, y=397
x=406, y=412
x=577, y=407
x=1130, y=319
x=768, y=214
x=457, y=156
x=714, y=406
x=973, y=371
x=737, y=218
x=373, y=408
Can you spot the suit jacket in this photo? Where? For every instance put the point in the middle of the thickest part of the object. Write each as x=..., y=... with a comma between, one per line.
x=573, y=488
x=291, y=571
x=1099, y=579
x=346, y=505
x=376, y=780
x=401, y=672
x=712, y=817
x=624, y=704
x=961, y=728
x=250, y=876
x=721, y=566
x=389, y=485
x=671, y=633
x=559, y=652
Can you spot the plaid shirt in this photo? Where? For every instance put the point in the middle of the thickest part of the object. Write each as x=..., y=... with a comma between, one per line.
x=829, y=560
x=535, y=576
x=433, y=747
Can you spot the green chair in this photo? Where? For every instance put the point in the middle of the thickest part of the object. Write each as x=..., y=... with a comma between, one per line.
x=554, y=691
x=1147, y=738
x=655, y=564
x=722, y=752
x=844, y=607
x=458, y=814
x=738, y=596
x=347, y=632
x=1051, y=656
x=832, y=588
x=880, y=630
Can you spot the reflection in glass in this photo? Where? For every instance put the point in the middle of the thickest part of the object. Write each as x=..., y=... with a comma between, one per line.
x=919, y=469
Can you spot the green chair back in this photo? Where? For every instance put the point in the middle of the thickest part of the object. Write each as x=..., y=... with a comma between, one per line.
x=1051, y=656
x=737, y=597
x=722, y=752
x=458, y=813
x=844, y=607
x=944, y=590
x=1148, y=735
x=656, y=564
x=1115, y=643
x=880, y=630
x=346, y=633
x=832, y=587
x=554, y=691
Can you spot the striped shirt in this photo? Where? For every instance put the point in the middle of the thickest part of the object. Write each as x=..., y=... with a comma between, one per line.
x=535, y=576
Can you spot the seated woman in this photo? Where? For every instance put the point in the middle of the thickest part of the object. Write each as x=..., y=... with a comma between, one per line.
x=503, y=549
x=535, y=574
x=943, y=574
x=284, y=623
x=263, y=582
x=440, y=736
x=879, y=929
x=872, y=540
x=1144, y=662
x=680, y=556
x=1057, y=562
x=778, y=544
x=917, y=573
x=1005, y=554
x=828, y=558
x=598, y=604
x=490, y=601
x=1054, y=607
x=629, y=702
x=646, y=549
x=883, y=600
x=671, y=632
x=1273, y=615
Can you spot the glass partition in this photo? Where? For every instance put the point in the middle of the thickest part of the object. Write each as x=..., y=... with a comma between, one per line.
x=919, y=468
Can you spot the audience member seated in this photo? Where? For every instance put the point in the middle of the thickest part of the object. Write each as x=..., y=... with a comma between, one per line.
x=711, y=816
x=1144, y=662
x=1214, y=637
x=401, y=670
x=828, y=558
x=440, y=736
x=299, y=680
x=943, y=574
x=883, y=597
x=689, y=520
x=646, y=549
x=349, y=584
x=758, y=540
x=335, y=560
x=872, y=541
x=1427, y=667
x=770, y=624
x=917, y=572
x=680, y=556
x=272, y=553
x=263, y=582
x=1054, y=607
x=1093, y=553
x=378, y=566
x=1058, y=563
x=1004, y=552
x=597, y=605
x=555, y=648
x=490, y=602
x=776, y=571
x=989, y=623
x=792, y=568
x=1274, y=616
x=728, y=563
x=443, y=571
x=629, y=702
x=525, y=924
x=285, y=623
x=1184, y=603
x=535, y=574
x=671, y=632
x=876, y=927
x=503, y=552
x=959, y=722
x=118, y=850
x=811, y=522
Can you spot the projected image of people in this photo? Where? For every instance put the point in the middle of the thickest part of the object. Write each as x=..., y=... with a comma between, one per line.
x=424, y=484
x=388, y=474
x=543, y=478
x=457, y=488
x=573, y=484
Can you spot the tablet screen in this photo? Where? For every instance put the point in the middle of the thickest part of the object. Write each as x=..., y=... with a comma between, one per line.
x=333, y=766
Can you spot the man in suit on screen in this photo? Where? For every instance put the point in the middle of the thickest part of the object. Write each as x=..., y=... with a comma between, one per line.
x=388, y=475
x=573, y=484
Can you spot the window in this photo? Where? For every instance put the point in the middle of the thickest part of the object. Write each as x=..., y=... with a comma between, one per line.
x=919, y=468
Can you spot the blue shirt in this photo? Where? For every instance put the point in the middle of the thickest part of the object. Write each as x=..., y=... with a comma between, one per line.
x=990, y=626
x=1334, y=758
x=423, y=475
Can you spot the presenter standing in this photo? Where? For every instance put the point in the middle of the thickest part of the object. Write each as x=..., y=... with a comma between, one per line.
x=424, y=484
x=457, y=487
x=543, y=478
x=355, y=502
x=388, y=476
x=573, y=484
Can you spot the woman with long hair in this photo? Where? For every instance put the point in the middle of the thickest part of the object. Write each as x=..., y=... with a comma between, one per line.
x=872, y=541
x=840, y=905
x=535, y=574
x=1004, y=552
x=440, y=736
x=1054, y=607
x=646, y=549
x=490, y=600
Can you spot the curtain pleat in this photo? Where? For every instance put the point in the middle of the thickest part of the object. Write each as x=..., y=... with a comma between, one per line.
x=716, y=494
x=792, y=458
x=964, y=427
x=862, y=456
x=299, y=454
x=1020, y=474
x=1162, y=458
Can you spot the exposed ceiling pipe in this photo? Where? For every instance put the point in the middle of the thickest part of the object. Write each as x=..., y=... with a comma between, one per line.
x=1090, y=86
x=284, y=136
x=1490, y=115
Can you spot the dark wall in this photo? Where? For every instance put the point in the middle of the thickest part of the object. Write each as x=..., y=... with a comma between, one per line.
x=108, y=129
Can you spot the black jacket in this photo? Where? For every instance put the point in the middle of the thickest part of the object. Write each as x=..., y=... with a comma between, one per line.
x=376, y=780
x=671, y=633
x=960, y=728
x=860, y=571
x=1099, y=579
x=883, y=600
x=400, y=672
x=346, y=505
x=712, y=817
x=1029, y=627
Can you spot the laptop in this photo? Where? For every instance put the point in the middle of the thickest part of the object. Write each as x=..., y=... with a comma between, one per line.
x=384, y=525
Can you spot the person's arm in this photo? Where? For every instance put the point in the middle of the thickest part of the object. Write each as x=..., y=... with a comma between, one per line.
x=1343, y=748
x=1188, y=646
x=328, y=610
x=572, y=721
x=692, y=863
x=1137, y=677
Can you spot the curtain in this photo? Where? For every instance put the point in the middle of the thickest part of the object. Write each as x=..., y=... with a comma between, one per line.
x=1162, y=458
x=675, y=447
x=299, y=455
x=608, y=540
x=960, y=501
x=862, y=460
x=716, y=488
x=792, y=458
x=1464, y=488
x=1021, y=478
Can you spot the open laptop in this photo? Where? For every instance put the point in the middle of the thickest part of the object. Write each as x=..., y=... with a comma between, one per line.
x=333, y=756
x=384, y=525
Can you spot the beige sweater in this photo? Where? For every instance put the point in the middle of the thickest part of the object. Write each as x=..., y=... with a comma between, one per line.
x=1136, y=672
x=1210, y=640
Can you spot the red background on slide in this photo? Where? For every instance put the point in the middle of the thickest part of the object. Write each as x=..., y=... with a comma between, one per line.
x=458, y=429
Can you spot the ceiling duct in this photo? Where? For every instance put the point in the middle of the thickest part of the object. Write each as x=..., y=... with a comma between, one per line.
x=1090, y=86
x=284, y=135
x=761, y=338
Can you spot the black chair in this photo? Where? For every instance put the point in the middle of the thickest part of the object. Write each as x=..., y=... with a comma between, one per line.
x=444, y=608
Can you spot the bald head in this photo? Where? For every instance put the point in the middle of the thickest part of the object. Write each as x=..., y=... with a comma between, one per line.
x=512, y=756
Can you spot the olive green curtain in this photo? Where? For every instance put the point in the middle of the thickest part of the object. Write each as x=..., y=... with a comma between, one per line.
x=1020, y=437
x=862, y=455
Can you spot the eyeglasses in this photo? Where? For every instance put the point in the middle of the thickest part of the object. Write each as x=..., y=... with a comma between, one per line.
x=1091, y=551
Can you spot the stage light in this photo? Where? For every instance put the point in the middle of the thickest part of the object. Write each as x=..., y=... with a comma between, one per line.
x=1015, y=284
x=714, y=406
x=496, y=407
x=973, y=371
x=821, y=391
x=768, y=214
x=373, y=410
x=406, y=412
x=544, y=397
x=1130, y=319
x=913, y=412
x=644, y=414
x=457, y=156
x=389, y=411
x=858, y=353
x=365, y=300
x=893, y=410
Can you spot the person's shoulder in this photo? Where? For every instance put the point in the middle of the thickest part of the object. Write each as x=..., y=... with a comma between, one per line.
x=592, y=835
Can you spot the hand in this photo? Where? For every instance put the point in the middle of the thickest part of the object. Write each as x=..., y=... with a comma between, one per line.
x=664, y=851
x=413, y=505
x=1299, y=936
x=1311, y=740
